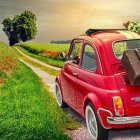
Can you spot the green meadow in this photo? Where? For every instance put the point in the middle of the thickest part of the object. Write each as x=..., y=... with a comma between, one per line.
x=46, y=46
x=27, y=109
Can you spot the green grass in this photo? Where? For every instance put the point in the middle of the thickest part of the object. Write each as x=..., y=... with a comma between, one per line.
x=47, y=60
x=28, y=111
x=46, y=46
x=8, y=59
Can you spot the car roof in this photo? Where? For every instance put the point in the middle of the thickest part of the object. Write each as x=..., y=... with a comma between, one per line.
x=107, y=37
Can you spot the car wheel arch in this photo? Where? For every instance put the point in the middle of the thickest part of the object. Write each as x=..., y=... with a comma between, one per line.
x=94, y=100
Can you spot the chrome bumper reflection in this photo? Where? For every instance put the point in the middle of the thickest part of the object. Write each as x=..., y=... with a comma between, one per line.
x=123, y=120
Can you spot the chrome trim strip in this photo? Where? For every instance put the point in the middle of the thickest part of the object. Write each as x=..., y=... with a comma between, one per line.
x=123, y=120
x=100, y=118
x=99, y=59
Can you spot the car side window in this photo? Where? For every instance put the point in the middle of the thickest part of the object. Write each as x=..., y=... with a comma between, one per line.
x=89, y=61
x=76, y=52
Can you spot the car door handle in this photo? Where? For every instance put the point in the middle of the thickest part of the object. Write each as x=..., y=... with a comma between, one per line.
x=75, y=74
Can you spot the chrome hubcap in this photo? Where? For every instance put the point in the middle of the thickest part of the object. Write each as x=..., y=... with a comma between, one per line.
x=58, y=95
x=91, y=122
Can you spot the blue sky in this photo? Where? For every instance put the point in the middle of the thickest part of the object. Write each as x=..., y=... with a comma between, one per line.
x=65, y=19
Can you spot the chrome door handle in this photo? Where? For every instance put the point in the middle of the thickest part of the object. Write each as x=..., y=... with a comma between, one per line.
x=75, y=74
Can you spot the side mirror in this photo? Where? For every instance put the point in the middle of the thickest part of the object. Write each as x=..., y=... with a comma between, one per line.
x=76, y=60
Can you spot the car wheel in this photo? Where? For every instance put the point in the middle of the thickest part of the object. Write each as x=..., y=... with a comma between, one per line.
x=96, y=131
x=59, y=98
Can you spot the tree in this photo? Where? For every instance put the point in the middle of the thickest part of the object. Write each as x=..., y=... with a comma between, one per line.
x=133, y=26
x=21, y=28
x=9, y=31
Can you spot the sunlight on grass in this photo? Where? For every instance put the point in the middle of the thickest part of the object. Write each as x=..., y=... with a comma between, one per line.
x=28, y=111
x=45, y=59
x=44, y=68
x=46, y=46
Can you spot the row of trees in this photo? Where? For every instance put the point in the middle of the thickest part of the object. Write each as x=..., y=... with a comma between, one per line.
x=21, y=28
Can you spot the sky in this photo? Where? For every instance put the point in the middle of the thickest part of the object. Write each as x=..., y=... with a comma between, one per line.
x=66, y=19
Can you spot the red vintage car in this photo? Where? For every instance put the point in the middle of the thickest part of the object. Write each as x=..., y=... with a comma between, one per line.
x=94, y=82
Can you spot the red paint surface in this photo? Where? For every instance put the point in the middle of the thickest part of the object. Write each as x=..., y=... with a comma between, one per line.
x=99, y=86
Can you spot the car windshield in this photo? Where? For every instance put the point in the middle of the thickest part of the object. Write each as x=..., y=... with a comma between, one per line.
x=120, y=46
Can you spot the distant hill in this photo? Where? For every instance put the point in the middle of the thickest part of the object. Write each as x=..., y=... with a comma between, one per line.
x=61, y=41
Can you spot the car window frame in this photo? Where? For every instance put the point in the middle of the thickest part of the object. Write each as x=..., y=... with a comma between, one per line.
x=120, y=41
x=70, y=51
x=93, y=47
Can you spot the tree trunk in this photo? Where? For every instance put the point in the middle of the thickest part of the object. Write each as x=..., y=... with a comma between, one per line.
x=13, y=41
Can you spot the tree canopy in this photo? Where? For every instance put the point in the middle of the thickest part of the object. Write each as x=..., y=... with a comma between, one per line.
x=21, y=28
x=133, y=26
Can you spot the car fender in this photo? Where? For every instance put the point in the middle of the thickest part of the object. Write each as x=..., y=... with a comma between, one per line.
x=94, y=100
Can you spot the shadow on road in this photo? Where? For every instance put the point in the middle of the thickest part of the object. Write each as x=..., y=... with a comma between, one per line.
x=121, y=134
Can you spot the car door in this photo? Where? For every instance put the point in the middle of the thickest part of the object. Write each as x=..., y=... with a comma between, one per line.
x=69, y=73
x=88, y=74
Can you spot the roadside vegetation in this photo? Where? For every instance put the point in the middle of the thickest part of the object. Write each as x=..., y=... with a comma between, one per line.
x=27, y=109
x=44, y=68
x=46, y=52
x=8, y=61
x=46, y=46
x=45, y=59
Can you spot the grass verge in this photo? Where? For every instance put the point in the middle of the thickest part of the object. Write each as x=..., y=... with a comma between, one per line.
x=28, y=111
x=44, y=68
x=53, y=62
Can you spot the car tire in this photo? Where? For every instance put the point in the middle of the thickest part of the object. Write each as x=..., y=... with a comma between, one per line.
x=59, y=97
x=96, y=131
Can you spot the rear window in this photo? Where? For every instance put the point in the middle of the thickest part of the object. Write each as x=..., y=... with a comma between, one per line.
x=120, y=46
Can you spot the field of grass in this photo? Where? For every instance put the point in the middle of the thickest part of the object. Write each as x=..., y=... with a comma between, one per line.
x=46, y=52
x=27, y=109
x=46, y=46
x=53, y=62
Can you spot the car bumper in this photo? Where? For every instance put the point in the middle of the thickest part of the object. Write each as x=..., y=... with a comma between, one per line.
x=123, y=120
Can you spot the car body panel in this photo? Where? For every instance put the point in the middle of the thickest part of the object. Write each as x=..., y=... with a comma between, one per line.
x=68, y=84
x=101, y=85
